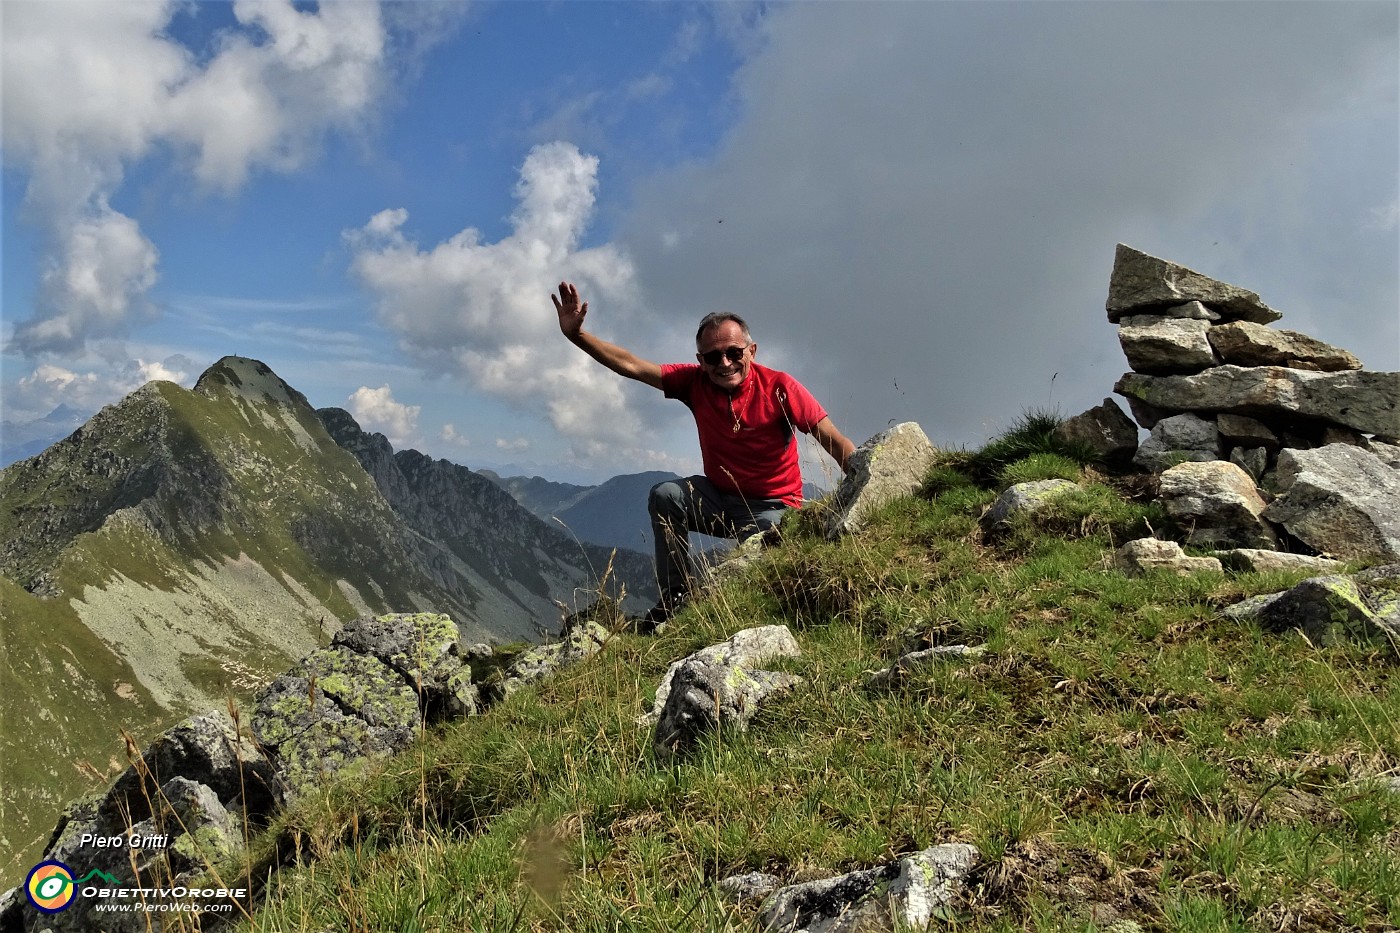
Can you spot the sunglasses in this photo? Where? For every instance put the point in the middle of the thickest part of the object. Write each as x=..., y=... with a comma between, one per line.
x=732, y=354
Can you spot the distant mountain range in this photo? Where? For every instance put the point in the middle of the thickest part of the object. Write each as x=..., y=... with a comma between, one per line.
x=20, y=440
x=185, y=546
x=613, y=514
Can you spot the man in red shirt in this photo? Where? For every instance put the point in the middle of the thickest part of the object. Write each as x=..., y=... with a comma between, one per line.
x=746, y=415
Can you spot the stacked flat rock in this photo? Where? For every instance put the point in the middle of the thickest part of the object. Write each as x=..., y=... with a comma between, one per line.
x=1202, y=348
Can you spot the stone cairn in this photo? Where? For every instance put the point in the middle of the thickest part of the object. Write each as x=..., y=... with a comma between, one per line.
x=1270, y=448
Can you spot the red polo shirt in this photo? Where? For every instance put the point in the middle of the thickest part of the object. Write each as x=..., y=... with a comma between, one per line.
x=758, y=460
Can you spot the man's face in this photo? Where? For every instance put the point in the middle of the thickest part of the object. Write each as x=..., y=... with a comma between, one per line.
x=728, y=336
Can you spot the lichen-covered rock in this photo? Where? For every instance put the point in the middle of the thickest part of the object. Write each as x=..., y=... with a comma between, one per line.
x=1104, y=429
x=748, y=886
x=749, y=648
x=1178, y=439
x=1247, y=344
x=889, y=465
x=905, y=895
x=580, y=642
x=1366, y=401
x=717, y=686
x=705, y=697
x=200, y=829
x=1217, y=505
x=1024, y=499
x=1340, y=500
x=205, y=749
x=1141, y=283
x=425, y=649
x=1162, y=345
x=1137, y=558
x=369, y=689
x=727, y=565
x=188, y=829
x=1328, y=609
x=340, y=709
x=911, y=663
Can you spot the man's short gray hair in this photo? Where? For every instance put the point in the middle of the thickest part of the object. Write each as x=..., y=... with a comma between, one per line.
x=716, y=318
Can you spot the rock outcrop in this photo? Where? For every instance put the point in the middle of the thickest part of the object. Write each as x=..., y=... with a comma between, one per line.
x=186, y=801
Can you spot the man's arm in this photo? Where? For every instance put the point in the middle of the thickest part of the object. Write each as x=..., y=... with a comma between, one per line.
x=834, y=442
x=621, y=361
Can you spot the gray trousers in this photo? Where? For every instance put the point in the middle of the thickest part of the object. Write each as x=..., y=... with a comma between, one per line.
x=694, y=504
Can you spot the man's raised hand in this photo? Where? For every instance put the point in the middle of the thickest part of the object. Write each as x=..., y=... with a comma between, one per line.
x=570, y=312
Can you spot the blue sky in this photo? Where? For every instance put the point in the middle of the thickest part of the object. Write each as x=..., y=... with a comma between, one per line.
x=915, y=204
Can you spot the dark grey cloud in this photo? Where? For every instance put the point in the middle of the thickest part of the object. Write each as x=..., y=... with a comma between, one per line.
x=919, y=206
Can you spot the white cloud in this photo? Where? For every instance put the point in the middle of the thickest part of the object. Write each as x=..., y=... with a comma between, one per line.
x=376, y=410
x=88, y=389
x=482, y=310
x=161, y=370
x=98, y=280
x=1385, y=218
x=512, y=446
x=92, y=87
x=449, y=435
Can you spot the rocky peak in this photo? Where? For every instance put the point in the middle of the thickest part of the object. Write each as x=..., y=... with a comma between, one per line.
x=249, y=379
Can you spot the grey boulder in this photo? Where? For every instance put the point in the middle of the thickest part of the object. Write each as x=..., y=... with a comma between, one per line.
x=1247, y=344
x=1258, y=560
x=1176, y=439
x=889, y=465
x=1340, y=500
x=707, y=692
x=1217, y=505
x=1140, y=557
x=1166, y=345
x=1105, y=429
x=1024, y=499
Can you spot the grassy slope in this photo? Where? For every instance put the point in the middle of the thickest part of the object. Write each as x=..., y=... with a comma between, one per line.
x=1119, y=751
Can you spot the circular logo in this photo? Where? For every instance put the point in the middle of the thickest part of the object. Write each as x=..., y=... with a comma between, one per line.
x=50, y=887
